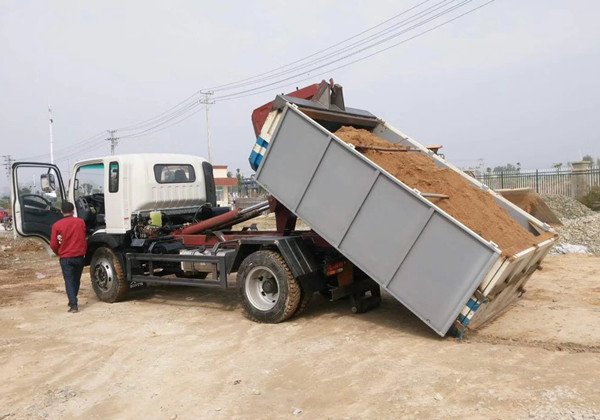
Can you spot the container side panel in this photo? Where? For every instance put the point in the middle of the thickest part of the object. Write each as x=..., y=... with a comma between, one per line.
x=292, y=159
x=440, y=273
x=338, y=188
x=385, y=228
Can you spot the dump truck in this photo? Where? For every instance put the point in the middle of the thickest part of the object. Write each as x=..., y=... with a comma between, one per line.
x=368, y=229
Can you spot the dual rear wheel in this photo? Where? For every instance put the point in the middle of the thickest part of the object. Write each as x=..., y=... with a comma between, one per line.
x=268, y=291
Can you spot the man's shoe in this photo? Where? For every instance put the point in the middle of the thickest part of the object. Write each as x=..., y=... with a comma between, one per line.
x=73, y=310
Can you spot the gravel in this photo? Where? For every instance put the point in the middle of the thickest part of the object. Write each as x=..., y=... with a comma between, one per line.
x=582, y=231
x=581, y=225
x=566, y=207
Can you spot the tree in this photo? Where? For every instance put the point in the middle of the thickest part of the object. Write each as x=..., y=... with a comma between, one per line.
x=239, y=177
x=229, y=174
x=86, y=188
x=557, y=166
x=509, y=167
x=588, y=158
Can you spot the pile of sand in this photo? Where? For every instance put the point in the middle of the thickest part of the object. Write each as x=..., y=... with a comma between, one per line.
x=473, y=207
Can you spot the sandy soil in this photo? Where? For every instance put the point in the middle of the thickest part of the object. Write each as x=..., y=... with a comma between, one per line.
x=185, y=353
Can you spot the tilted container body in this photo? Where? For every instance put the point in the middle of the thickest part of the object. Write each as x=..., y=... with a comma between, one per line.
x=433, y=264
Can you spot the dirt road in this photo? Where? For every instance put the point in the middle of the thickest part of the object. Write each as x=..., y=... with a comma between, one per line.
x=184, y=353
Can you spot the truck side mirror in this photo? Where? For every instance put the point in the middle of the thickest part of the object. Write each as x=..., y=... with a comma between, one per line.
x=48, y=182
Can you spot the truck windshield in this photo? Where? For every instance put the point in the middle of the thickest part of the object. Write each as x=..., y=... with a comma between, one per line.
x=89, y=180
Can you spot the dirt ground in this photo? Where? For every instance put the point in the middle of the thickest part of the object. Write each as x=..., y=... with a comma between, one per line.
x=187, y=353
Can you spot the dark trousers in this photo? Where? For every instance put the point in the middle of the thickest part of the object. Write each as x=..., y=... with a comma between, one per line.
x=72, y=269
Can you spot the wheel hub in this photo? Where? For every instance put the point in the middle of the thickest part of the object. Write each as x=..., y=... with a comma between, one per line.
x=262, y=288
x=269, y=286
x=103, y=275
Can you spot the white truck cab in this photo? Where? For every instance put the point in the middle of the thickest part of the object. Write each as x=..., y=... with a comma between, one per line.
x=112, y=193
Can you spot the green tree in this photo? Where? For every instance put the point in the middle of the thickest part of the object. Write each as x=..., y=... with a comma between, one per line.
x=239, y=177
x=509, y=167
x=588, y=158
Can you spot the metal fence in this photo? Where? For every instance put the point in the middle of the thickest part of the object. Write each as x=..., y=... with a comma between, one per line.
x=549, y=181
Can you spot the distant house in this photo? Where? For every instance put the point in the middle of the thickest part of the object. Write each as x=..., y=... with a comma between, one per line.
x=225, y=186
x=249, y=187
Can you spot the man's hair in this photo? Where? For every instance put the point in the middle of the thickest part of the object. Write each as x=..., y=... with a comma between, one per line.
x=67, y=207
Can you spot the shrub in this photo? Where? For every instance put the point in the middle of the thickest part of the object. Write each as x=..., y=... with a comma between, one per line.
x=592, y=199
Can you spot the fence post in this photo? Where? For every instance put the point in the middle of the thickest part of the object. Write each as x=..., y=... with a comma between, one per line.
x=578, y=179
x=502, y=179
x=537, y=182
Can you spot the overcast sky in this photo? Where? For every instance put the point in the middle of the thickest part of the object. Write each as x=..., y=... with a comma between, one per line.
x=515, y=81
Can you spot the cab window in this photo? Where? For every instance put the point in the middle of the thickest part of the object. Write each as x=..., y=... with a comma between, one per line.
x=89, y=180
x=174, y=173
x=113, y=177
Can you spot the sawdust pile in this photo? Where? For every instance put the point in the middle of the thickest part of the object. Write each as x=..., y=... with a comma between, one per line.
x=474, y=208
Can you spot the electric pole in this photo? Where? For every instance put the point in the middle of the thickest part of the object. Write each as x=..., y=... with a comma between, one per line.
x=113, y=141
x=51, y=121
x=208, y=102
x=7, y=164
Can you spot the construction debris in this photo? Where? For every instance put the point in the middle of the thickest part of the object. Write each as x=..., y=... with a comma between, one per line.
x=582, y=231
x=566, y=207
x=581, y=225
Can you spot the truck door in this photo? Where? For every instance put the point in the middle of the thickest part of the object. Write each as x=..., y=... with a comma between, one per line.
x=37, y=193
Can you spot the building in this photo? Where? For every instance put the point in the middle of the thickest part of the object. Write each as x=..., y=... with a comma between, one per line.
x=224, y=185
x=249, y=187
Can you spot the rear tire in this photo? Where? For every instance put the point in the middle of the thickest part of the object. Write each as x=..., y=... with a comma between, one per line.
x=268, y=291
x=305, y=298
x=106, y=273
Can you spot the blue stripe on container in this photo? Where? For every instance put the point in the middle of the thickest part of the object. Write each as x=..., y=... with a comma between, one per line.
x=254, y=162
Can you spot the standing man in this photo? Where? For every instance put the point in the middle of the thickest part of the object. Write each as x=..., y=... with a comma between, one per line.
x=68, y=242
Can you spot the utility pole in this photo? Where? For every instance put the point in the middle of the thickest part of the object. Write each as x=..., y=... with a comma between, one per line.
x=113, y=141
x=7, y=164
x=51, y=122
x=208, y=102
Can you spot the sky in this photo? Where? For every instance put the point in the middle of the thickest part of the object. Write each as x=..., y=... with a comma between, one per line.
x=514, y=81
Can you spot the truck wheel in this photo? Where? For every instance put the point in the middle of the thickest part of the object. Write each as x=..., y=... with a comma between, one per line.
x=268, y=291
x=106, y=272
x=305, y=298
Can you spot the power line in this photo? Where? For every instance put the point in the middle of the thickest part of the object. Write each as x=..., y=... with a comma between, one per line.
x=182, y=106
x=302, y=70
x=313, y=76
x=321, y=66
x=220, y=87
x=82, y=143
x=376, y=35
x=164, y=127
x=423, y=13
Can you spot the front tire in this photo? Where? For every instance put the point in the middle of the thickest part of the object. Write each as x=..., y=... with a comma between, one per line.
x=106, y=273
x=268, y=291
